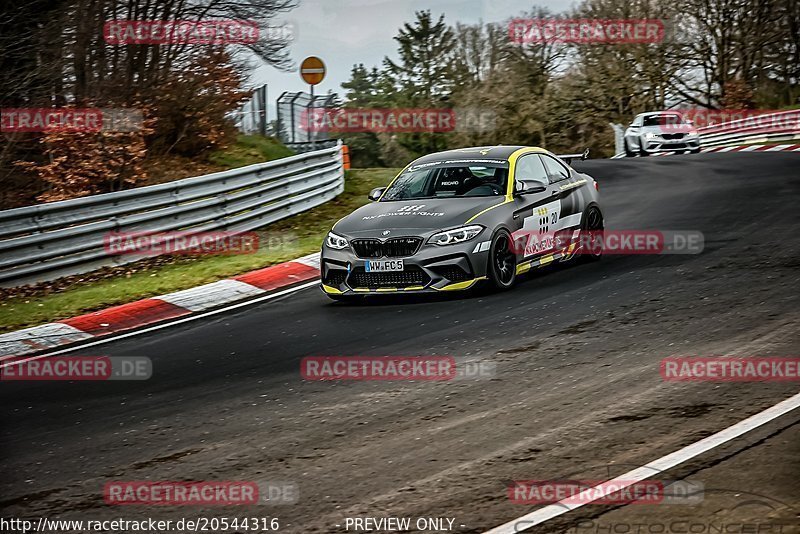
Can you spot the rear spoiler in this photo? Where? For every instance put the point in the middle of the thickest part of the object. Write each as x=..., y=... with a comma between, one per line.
x=569, y=157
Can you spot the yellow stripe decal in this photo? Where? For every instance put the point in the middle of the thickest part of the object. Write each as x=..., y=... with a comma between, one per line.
x=572, y=185
x=461, y=285
x=512, y=165
x=393, y=180
x=414, y=288
x=539, y=262
x=512, y=162
x=337, y=222
x=523, y=267
x=332, y=290
x=487, y=209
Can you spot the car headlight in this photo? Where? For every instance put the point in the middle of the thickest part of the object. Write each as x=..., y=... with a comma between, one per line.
x=336, y=241
x=458, y=235
x=692, y=133
x=650, y=135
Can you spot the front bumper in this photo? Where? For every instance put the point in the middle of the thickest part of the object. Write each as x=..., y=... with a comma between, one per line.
x=659, y=144
x=431, y=269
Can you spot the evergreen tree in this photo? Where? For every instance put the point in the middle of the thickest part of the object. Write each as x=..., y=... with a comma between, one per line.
x=424, y=70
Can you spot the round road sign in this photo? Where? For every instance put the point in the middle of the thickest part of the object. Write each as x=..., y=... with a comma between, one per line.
x=312, y=70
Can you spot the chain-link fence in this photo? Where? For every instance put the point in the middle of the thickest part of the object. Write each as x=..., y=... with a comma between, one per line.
x=253, y=117
x=293, y=110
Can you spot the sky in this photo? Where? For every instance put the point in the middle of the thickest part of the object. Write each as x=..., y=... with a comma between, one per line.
x=347, y=32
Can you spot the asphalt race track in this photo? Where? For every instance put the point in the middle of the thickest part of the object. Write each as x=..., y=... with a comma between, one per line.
x=577, y=390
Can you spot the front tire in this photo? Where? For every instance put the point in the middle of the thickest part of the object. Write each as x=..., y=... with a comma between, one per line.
x=502, y=269
x=628, y=152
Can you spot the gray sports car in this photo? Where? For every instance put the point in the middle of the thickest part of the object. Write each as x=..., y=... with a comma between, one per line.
x=452, y=219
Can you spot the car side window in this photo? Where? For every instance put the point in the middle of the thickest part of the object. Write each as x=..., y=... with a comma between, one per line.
x=555, y=170
x=530, y=169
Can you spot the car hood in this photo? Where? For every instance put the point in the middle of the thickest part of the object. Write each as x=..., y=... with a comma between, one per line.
x=412, y=216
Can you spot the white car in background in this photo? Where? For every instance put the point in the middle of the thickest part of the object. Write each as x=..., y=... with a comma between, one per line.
x=660, y=131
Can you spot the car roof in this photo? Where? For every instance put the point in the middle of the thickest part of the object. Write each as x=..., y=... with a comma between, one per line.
x=499, y=153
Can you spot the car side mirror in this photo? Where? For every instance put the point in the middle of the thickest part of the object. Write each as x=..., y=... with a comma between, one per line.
x=376, y=193
x=525, y=187
x=632, y=126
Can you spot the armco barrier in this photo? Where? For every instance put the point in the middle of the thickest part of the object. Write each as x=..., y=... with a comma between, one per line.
x=47, y=241
x=781, y=126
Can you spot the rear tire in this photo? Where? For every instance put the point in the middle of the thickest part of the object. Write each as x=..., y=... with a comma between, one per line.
x=502, y=269
x=592, y=222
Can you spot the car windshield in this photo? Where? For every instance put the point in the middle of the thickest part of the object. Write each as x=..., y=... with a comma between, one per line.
x=450, y=179
x=662, y=120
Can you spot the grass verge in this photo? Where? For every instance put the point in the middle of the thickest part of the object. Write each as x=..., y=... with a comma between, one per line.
x=282, y=241
x=249, y=149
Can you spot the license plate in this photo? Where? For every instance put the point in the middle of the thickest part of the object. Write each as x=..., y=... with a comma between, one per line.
x=382, y=266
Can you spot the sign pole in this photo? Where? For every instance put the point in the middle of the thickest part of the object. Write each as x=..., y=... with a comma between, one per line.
x=311, y=130
x=312, y=70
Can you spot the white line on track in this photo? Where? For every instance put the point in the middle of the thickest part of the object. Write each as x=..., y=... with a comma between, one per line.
x=169, y=324
x=664, y=463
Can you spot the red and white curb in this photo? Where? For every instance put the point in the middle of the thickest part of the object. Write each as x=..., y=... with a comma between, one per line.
x=737, y=148
x=753, y=148
x=157, y=309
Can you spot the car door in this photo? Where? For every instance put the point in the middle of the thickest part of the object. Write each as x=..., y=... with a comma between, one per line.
x=570, y=194
x=535, y=211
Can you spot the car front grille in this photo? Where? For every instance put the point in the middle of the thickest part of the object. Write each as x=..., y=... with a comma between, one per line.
x=411, y=276
x=673, y=136
x=397, y=247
